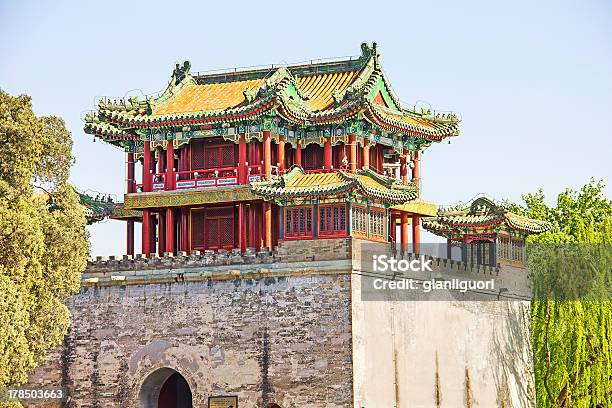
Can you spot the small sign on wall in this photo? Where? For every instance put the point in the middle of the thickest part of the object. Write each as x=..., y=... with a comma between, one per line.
x=223, y=402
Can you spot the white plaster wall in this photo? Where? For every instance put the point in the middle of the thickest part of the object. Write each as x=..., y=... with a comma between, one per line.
x=396, y=343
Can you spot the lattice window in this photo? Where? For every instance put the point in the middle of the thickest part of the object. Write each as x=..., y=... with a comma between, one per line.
x=212, y=232
x=298, y=222
x=227, y=156
x=212, y=158
x=312, y=157
x=197, y=155
x=332, y=219
x=359, y=220
x=226, y=232
x=197, y=229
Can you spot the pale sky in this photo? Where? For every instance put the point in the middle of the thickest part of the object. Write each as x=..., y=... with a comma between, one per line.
x=531, y=80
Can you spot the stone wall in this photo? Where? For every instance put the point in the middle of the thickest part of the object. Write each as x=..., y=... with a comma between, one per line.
x=292, y=327
x=275, y=334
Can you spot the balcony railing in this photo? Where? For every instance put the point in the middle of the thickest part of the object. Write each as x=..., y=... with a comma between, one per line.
x=201, y=178
x=217, y=177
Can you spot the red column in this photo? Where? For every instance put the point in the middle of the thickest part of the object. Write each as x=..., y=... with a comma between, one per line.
x=146, y=167
x=169, y=230
x=327, y=154
x=403, y=170
x=130, y=188
x=129, y=244
x=242, y=227
x=242, y=160
x=393, y=226
x=416, y=171
x=353, y=153
x=267, y=209
x=170, y=166
x=365, y=160
x=380, y=159
x=146, y=232
x=416, y=234
x=185, y=229
x=161, y=232
x=297, y=159
x=404, y=227
x=281, y=153
x=130, y=182
x=267, y=148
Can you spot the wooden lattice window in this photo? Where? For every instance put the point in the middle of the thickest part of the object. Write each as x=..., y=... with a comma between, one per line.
x=359, y=221
x=213, y=228
x=211, y=156
x=298, y=222
x=312, y=157
x=197, y=155
x=197, y=229
x=332, y=220
x=377, y=222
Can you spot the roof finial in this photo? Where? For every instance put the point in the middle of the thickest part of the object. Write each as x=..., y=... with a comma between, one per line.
x=375, y=54
x=180, y=73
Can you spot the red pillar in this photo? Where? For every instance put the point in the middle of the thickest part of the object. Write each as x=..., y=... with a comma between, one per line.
x=242, y=227
x=416, y=234
x=403, y=170
x=130, y=188
x=146, y=167
x=416, y=171
x=365, y=160
x=146, y=232
x=242, y=160
x=185, y=229
x=129, y=244
x=170, y=230
x=267, y=148
x=327, y=154
x=353, y=153
x=161, y=232
x=281, y=153
x=267, y=209
x=404, y=227
x=380, y=159
x=297, y=159
x=393, y=226
x=170, y=166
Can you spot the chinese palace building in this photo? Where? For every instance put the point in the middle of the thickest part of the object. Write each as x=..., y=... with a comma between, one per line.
x=249, y=158
x=304, y=172
x=486, y=232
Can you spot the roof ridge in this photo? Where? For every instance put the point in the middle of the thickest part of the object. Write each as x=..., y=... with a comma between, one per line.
x=353, y=63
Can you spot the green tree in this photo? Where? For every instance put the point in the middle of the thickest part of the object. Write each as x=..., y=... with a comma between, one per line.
x=43, y=240
x=572, y=312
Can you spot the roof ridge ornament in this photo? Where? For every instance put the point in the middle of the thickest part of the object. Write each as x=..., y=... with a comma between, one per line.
x=180, y=73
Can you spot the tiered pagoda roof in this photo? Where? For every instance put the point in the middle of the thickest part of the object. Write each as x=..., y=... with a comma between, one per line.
x=483, y=215
x=297, y=184
x=302, y=96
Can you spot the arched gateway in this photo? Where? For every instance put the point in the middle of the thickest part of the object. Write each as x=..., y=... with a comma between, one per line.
x=165, y=388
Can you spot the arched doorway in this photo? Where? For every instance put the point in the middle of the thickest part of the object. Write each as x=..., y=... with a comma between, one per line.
x=165, y=388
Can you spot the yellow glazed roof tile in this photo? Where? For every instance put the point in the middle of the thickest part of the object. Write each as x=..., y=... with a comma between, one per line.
x=316, y=179
x=321, y=87
x=207, y=97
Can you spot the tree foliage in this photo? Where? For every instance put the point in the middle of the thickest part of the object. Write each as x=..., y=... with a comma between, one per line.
x=43, y=241
x=572, y=312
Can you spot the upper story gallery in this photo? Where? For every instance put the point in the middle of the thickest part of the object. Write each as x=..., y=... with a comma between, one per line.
x=249, y=158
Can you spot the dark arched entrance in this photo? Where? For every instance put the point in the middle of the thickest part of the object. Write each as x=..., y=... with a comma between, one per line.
x=175, y=393
x=165, y=388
